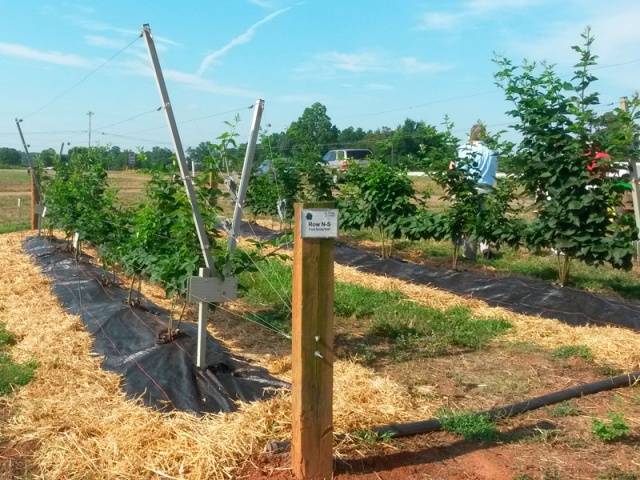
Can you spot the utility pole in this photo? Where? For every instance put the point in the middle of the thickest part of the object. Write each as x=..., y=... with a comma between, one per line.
x=90, y=114
x=35, y=190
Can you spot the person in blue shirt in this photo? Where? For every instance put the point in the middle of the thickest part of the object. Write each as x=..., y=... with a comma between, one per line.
x=482, y=164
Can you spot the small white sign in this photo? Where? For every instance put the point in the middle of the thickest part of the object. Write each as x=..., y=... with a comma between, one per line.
x=319, y=223
x=76, y=240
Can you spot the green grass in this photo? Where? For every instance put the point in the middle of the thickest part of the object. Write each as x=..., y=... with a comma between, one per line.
x=603, y=279
x=616, y=473
x=565, y=409
x=356, y=301
x=14, y=227
x=472, y=426
x=14, y=180
x=389, y=317
x=573, y=351
x=615, y=428
x=414, y=326
x=12, y=374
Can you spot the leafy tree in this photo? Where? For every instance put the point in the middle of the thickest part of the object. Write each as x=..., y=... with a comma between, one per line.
x=10, y=157
x=313, y=131
x=47, y=157
x=376, y=195
x=559, y=139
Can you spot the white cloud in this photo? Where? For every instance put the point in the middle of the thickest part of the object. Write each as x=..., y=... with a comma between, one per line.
x=98, y=26
x=142, y=67
x=55, y=57
x=616, y=41
x=438, y=20
x=470, y=10
x=413, y=65
x=378, y=86
x=100, y=41
x=353, y=62
x=331, y=64
x=241, y=39
x=262, y=3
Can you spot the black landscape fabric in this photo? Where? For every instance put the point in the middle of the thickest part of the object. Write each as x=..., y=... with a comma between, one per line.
x=518, y=294
x=164, y=376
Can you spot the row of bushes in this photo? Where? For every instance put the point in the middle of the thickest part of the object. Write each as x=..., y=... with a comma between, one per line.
x=155, y=239
x=560, y=159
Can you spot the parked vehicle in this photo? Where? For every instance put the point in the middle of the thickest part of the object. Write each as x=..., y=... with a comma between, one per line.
x=339, y=159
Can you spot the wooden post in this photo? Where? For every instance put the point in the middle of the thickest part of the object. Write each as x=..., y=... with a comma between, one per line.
x=312, y=357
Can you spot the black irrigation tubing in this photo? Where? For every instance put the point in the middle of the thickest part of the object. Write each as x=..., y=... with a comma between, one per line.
x=399, y=430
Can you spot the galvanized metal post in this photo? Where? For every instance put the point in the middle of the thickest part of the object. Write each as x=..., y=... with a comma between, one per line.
x=203, y=309
x=177, y=144
x=203, y=316
x=246, y=172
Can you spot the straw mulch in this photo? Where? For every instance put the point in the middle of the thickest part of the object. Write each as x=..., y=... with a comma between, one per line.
x=612, y=346
x=82, y=426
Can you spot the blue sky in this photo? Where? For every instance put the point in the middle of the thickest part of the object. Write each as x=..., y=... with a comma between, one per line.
x=368, y=61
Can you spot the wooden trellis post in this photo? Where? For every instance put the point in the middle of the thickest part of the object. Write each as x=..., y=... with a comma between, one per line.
x=312, y=341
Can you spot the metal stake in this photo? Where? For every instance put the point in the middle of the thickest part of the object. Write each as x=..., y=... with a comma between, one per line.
x=203, y=316
x=177, y=144
x=246, y=173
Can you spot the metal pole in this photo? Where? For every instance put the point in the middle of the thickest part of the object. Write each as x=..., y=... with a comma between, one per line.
x=246, y=172
x=35, y=190
x=90, y=113
x=203, y=316
x=177, y=143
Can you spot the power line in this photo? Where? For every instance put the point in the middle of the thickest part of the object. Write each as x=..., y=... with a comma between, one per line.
x=129, y=137
x=195, y=119
x=419, y=105
x=83, y=79
x=129, y=119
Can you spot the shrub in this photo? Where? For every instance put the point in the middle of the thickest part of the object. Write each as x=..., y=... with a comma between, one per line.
x=614, y=429
x=376, y=195
x=570, y=351
x=561, y=134
x=472, y=426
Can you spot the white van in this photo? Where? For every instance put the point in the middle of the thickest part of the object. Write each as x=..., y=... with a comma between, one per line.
x=339, y=159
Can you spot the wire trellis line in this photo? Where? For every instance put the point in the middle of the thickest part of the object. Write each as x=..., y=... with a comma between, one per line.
x=83, y=79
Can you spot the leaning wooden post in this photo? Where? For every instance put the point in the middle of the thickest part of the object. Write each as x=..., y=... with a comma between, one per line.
x=312, y=341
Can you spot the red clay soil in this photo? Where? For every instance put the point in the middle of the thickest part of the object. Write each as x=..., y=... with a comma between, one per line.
x=532, y=447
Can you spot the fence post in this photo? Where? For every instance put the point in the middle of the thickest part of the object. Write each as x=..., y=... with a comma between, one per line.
x=312, y=342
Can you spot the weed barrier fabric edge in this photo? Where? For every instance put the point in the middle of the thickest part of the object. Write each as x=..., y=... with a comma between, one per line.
x=518, y=294
x=163, y=376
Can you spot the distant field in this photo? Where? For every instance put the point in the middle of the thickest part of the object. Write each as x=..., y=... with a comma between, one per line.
x=15, y=184
x=14, y=180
